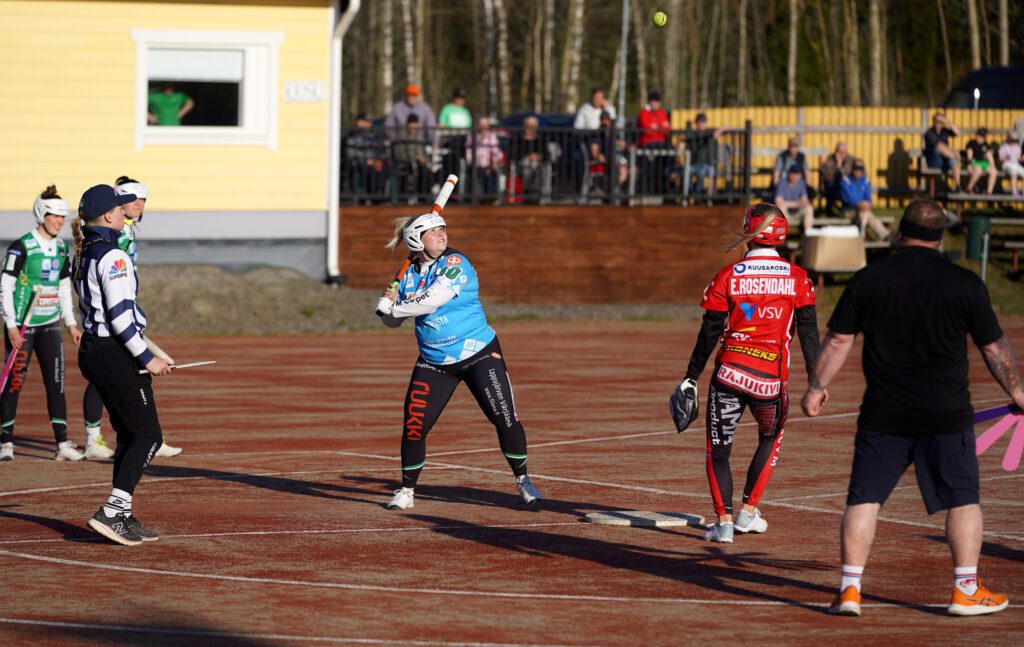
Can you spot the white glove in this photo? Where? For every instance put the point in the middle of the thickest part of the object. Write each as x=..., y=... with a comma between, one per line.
x=384, y=306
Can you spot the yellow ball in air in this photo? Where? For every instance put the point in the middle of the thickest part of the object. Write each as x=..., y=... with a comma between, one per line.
x=660, y=19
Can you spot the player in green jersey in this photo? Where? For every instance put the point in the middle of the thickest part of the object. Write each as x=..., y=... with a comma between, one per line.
x=39, y=259
x=92, y=405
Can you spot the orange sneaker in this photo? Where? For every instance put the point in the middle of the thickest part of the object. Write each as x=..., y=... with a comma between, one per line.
x=846, y=603
x=983, y=601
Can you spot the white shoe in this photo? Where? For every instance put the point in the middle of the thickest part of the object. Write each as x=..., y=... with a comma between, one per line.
x=68, y=452
x=719, y=532
x=167, y=451
x=403, y=499
x=96, y=448
x=529, y=493
x=7, y=452
x=753, y=523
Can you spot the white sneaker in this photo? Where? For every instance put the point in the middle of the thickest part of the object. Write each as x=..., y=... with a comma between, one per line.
x=167, y=451
x=720, y=532
x=403, y=499
x=96, y=448
x=753, y=523
x=68, y=452
x=7, y=452
x=529, y=493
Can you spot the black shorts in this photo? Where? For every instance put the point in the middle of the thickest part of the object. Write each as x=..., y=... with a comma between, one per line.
x=946, y=466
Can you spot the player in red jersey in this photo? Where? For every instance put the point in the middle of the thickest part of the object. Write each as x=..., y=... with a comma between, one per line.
x=752, y=307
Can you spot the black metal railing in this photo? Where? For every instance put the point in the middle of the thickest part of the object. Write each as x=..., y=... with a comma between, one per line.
x=617, y=166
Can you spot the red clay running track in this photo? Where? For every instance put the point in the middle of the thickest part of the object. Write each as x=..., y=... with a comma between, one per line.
x=273, y=530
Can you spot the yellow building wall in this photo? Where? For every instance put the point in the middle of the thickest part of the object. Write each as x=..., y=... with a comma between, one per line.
x=823, y=126
x=67, y=106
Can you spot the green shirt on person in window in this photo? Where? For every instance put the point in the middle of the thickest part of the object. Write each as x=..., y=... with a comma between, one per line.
x=167, y=106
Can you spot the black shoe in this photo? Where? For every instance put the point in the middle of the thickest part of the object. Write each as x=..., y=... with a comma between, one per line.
x=140, y=530
x=116, y=528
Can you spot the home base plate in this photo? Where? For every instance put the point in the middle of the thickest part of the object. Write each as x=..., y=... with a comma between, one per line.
x=647, y=519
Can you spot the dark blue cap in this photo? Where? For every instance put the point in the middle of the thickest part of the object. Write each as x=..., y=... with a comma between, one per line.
x=100, y=199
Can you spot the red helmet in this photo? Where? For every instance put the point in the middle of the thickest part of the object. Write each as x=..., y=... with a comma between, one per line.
x=765, y=224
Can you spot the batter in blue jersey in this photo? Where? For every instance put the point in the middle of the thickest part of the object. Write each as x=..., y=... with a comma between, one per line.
x=441, y=292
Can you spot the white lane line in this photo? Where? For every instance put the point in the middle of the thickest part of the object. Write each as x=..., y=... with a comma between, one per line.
x=327, y=531
x=426, y=591
x=158, y=631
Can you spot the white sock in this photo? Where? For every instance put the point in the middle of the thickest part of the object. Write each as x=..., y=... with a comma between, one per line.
x=851, y=577
x=119, y=501
x=965, y=578
x=91, y=433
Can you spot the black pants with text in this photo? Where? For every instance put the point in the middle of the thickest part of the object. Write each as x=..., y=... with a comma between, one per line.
x=129, y=399
x=431, y=387
x=48, y=345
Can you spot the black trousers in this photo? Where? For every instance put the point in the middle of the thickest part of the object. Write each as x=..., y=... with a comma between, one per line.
x=92, y=406
x=129, y=399
x=431, y=387
x=48, y=345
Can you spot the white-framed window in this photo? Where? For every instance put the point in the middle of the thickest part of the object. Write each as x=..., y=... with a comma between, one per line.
x=206, y=87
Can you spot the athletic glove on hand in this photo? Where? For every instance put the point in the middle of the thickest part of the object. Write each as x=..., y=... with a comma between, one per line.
x=683, y=404
x=384, y=306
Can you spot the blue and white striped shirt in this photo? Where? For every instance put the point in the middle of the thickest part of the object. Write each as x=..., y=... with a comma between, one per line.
x=107, y=286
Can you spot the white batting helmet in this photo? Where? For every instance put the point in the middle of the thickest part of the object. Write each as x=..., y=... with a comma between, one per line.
x=412, y=232
x=138, y=189
x=55, y=206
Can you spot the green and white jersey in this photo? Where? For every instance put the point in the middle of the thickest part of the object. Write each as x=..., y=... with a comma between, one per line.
x=30, y=262
x=126, y=241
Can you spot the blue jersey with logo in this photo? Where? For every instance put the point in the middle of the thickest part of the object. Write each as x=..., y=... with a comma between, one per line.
x=458, y=329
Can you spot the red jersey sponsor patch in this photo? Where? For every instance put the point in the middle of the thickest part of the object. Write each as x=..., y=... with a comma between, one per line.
x=453, y=260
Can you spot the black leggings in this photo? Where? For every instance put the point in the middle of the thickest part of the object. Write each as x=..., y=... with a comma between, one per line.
x=431, y=387
x=725, y=407
x=129, y=398
x=48, y=345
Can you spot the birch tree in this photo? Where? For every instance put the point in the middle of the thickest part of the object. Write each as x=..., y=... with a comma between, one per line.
x=410, y=42
x=387, y=57
x=639, y=38
x=549, y=52
x=972, y=28
x=875, y=46
x=504, y=65
x=743, y=56
x=492, y=82
x=1004, y=34
x=852, y=52
x=572, y=56
x=794, y=23
x=674, y=53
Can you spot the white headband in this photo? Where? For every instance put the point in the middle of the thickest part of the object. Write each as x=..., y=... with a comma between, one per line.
x=55, y=206
x=138, y=189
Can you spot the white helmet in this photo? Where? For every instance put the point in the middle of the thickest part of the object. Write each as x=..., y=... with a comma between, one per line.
x=412, y=232
x=138, y=189
x=55, y=206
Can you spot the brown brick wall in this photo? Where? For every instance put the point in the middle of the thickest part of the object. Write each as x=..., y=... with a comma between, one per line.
x=559, y=254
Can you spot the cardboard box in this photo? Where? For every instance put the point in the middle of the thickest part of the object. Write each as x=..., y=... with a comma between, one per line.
x=834, y=249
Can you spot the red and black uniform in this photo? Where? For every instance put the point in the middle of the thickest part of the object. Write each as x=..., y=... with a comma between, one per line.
x=752, y=308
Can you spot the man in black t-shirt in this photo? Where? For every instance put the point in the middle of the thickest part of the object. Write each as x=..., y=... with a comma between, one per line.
x=915, y=310
x=937, y=152
x=981, y=160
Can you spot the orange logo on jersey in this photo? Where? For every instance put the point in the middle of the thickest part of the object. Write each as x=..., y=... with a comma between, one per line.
x=454, y=260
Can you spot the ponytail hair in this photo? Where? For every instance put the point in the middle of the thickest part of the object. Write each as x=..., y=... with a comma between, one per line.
x=400, y=224
x=76, y=229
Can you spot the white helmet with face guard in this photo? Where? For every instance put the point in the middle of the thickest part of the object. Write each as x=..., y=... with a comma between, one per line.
x=420, y=224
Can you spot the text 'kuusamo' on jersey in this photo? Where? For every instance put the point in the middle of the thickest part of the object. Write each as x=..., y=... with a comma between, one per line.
x=760, y=294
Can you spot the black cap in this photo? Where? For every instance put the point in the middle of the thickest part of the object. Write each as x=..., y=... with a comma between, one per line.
x=100, y=199
x=793, y=168
x=654, y=95
x=364, y=116
x=983, y=131
x=459, y=93
x=858, y=165
x=701, y=116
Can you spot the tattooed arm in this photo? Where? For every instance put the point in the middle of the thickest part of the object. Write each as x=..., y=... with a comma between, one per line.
x=1003, y=366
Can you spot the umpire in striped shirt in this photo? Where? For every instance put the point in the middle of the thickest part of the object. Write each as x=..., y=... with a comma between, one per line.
x=112, y=352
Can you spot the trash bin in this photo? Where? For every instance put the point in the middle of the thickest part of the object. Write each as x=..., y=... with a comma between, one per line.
x=977, y=227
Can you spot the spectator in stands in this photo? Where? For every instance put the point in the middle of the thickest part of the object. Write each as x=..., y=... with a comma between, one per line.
x=702, y=143
x=531, y=155
x=454, y=114
x=410, y=152
x=789, y=158
x=981, y=161
x=791, y=197
x=588, y=117
x=413, y=104
x=365, y=163
x=484, y=157
x=653, y=132
x=609, y=153
x=855, y=192
x=836, y=166
x=937, y=152
x=1010, y=158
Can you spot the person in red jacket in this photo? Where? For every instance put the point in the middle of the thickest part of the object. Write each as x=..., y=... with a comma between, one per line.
x=752, y=307
x=653, y=138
